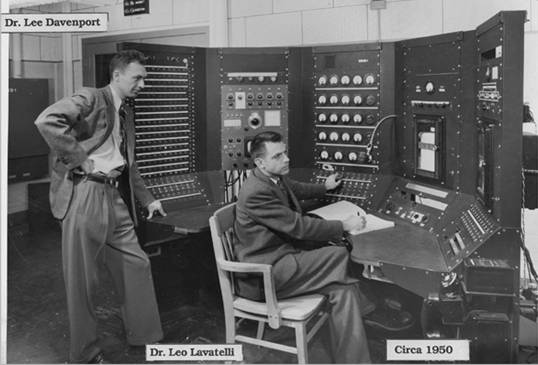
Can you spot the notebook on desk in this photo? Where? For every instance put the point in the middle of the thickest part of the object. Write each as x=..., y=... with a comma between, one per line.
x=343, y=209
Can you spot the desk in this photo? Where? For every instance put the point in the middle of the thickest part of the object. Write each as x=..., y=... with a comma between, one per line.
x=189, y=220
x=404, y=245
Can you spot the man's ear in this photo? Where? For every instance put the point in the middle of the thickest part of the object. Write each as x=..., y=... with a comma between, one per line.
x=258, y=162
x=115, y=74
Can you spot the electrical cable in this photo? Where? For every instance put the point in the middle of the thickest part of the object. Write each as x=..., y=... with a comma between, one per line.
x=369, y=146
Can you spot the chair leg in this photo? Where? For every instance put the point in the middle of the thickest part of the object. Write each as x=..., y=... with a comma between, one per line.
x=230, y=328
x=261, y=328
x=302, y=343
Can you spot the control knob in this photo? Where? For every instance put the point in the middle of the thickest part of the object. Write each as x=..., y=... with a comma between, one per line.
x=338, y=156
x=345, y=118
x=357, y=138
x=345, y=99
x=324, y=155
x=254, y=120
x=345, y=80
x=322, y=136
x=430, y=88
x=261, y=78
x=333, y=136
x=369, y=79
x=334, y=99
x=357, y=100
x=322, y=99
x=322, y=117
x=333, y=118
x=370, y=119
x=357, y=118
x=352, y=156
x=370, y=100
x=357, y=80
x=345, y=137
x=333, y=80
x=322, y=80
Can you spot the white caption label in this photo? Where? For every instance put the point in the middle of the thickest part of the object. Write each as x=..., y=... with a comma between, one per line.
x=60, y=22
x=178, y=353
x=428, y=350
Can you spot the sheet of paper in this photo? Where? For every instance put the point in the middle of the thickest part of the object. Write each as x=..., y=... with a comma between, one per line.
x=343, y=209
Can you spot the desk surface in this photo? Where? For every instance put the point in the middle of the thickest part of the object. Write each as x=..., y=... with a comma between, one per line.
x=404, y=245
x=189, y=220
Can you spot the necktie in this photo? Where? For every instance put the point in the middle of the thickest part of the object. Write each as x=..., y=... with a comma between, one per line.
x=123, y=145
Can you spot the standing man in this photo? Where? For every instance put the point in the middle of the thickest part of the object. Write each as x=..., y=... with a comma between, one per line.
x=94, y=184
x=271, y=230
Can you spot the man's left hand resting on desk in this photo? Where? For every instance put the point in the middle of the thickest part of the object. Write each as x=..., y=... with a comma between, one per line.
x=155, y=206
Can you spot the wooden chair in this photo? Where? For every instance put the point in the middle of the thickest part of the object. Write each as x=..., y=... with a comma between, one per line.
x=294, y=312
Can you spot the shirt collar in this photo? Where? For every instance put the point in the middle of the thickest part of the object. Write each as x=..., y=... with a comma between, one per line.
x=116, y=98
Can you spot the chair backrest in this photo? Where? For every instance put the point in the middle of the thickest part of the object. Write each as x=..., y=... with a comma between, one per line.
x=221, y=226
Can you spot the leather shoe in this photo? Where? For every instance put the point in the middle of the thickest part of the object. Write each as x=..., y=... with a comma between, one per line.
x=98, y=359
x=389, y=317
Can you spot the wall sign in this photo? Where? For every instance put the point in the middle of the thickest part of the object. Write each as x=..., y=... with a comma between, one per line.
x=135, y=7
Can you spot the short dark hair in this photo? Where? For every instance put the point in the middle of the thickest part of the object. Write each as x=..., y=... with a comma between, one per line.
x=123, y=58
x=257, y=146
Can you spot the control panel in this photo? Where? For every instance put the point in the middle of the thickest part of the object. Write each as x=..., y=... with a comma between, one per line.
x=459, y=222
x=255, y=103
x=349, y=106
x=253, y=99
x=178, y=191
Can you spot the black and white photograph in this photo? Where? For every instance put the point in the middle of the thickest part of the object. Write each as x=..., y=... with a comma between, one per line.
x=268, y=181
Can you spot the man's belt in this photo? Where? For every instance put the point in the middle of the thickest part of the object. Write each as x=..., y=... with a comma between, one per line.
x=98, y=178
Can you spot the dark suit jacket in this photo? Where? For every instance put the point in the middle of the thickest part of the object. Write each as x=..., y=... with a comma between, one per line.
x=74, y=127
x=267, y=227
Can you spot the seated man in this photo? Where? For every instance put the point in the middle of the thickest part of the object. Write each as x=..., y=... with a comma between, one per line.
x=271, y=230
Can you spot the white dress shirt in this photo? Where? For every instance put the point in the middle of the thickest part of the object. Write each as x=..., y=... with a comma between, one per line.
x=108, y=156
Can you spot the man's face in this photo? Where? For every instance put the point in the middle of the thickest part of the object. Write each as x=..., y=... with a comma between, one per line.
x=130, y=80
x=275, y=162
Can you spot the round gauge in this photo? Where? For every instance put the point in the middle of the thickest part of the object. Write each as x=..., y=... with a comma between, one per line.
x=322, y=136
x=254, y=120
x=273, y=78
x=357, y=137
x=352, y=156
x=338, y=156
x=333, y=80
x=333, y=118
x=322, y=81
x=345, y=118
x=345, y=99
x=429, y=87
x=345, y=137
x=344, y=80
x=322, y=99
x=322, y=117
x=334, y=99
x=324, y=155
x=333, y=136
x=357, y=118
x=357, y=80
x=369, y=79
x=357, y=100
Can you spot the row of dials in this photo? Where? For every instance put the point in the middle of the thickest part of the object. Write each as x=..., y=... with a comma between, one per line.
x=344, y=137
x=258, y=96
x=357, y=118
x=345, y=80
x=356, y=157
x=346, y=99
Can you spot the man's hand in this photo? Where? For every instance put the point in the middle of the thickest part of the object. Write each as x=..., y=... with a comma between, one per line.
x=155, y=206
x=354, y=223
x=87, y=166
x=332, y=182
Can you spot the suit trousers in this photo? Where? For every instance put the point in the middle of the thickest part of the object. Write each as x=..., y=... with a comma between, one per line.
x=325, y=270
x=98, y=228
